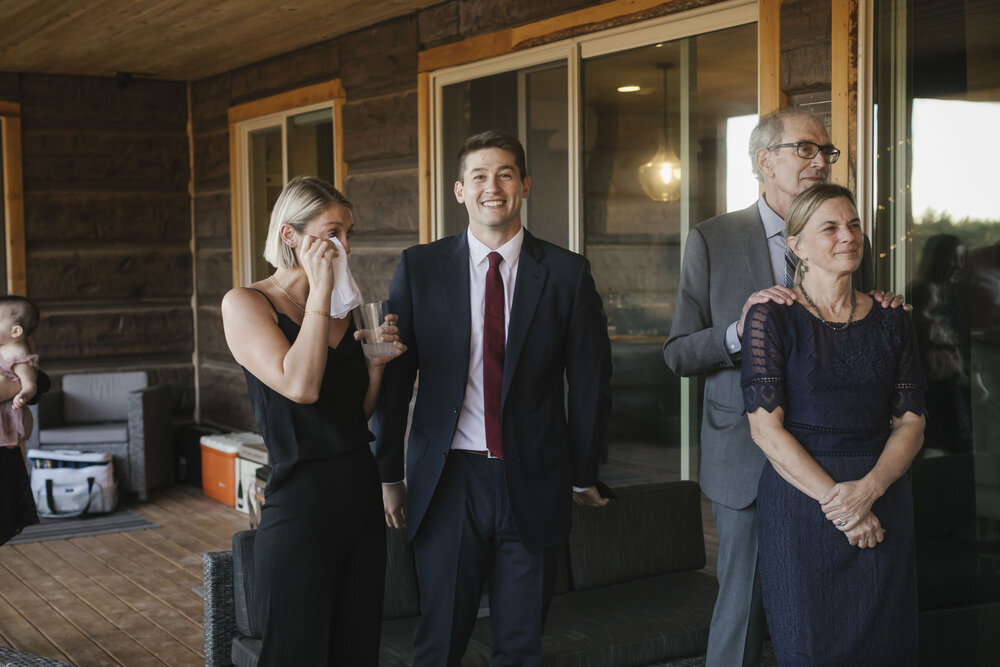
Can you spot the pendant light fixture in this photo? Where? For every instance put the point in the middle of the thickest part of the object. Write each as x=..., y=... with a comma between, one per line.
x=661, y=176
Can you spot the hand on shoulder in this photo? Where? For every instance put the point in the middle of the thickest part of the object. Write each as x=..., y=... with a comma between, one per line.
x=776, y=293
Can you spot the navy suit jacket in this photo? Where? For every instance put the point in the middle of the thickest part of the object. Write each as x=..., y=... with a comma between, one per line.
x=556, y=381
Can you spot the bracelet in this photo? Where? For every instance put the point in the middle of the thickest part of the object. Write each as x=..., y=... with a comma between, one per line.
x=318, y=312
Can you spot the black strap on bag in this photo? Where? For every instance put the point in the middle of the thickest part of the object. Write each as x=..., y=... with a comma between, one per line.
x=50, y=499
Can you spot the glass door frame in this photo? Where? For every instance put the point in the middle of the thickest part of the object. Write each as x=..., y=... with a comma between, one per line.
x=573, y=51
x=243, y=118
x=243, y=131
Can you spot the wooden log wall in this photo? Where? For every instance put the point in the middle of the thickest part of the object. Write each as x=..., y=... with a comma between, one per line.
x=111, y=257
x=108, y=225
x=378, y=68
x=805, y=53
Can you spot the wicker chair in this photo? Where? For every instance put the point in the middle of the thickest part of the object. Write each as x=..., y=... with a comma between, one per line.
x=232, y=633
x=9, y=656
x=115, y=413
x=220, y=611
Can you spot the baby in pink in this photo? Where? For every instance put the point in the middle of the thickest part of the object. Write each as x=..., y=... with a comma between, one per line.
x=18, y=319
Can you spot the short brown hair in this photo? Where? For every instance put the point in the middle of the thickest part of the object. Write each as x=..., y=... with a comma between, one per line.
x=22, y=311
x=493, y=139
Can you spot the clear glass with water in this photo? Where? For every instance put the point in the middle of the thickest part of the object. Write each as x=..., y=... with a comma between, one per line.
x=368, y=319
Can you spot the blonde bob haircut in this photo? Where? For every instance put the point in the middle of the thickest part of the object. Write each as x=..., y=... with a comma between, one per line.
x=805, y=205
x=301, y=201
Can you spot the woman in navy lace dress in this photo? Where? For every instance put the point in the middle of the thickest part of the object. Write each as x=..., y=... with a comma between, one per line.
x=834, y=392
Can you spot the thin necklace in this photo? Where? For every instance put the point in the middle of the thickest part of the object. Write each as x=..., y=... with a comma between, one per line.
x=837, y=326
x=288, y=296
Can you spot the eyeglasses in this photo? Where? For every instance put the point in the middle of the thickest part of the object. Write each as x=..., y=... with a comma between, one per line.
x=807, y=150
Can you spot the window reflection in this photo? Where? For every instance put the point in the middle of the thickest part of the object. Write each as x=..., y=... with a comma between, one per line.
x=938, y=229
x=632, y=238
x=266, y=181
x=531, y=104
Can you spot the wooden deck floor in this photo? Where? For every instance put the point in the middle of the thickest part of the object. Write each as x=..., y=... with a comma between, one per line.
x=131, y=598
x=118, y=599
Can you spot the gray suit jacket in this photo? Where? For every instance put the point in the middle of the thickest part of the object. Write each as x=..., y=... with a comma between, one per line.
x=725, y=260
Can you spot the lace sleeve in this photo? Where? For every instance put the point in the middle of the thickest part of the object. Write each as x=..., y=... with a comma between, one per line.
x=909, y=384
x=763, y=368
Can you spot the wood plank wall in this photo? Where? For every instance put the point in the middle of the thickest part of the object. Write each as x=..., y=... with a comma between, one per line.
x=107, y=225
x=107, y=213
x=806, y=33
x=378, y=68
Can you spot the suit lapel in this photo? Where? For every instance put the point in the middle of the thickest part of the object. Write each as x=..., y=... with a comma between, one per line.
x=754, y=246
x=531, y=275
x=454, y=280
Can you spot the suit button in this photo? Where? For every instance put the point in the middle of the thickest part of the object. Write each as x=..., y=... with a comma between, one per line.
x=444, y=457
x=454, y=410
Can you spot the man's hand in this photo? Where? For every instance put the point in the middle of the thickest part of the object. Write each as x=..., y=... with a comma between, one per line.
x=394, y=503
x=589, y=497
x=778, y=294
x=890, y=300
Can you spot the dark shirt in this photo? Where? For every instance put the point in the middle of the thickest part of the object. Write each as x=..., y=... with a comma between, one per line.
x=335, y=424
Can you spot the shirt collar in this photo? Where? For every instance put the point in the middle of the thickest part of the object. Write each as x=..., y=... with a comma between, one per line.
x=773, y=224
x=510, y=251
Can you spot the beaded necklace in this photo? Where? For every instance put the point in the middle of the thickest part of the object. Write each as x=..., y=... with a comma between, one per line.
x=838, y=326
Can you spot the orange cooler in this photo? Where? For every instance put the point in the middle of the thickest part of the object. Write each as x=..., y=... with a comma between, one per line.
x=218, y=466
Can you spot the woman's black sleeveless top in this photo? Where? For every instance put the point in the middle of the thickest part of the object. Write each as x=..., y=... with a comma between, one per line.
x=335, y=424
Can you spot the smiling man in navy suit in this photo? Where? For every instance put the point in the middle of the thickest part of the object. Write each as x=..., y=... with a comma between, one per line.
x=511, y=344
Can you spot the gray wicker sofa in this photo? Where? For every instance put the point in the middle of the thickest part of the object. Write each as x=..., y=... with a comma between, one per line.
x=628, y=591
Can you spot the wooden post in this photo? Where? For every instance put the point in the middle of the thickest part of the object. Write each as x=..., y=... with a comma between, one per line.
x=770, y=97
x=840, y=89
x=13, y=197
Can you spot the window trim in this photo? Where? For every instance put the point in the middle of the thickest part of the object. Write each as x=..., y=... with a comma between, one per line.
x=244, y=116
x=485, y=55
x=495, y=52
x=13, y=198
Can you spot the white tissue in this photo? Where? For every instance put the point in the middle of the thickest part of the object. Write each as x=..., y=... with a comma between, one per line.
x=346, y=296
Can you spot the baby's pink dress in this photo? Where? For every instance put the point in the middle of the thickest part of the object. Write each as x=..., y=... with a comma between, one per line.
x=11, y=424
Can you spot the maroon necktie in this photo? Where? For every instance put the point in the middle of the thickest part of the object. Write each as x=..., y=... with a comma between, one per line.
x=493, y=345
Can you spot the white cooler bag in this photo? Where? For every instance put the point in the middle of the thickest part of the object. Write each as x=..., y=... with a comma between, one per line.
x=68, y=483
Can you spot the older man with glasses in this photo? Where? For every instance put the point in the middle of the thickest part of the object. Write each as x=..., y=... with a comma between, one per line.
x=731, y=262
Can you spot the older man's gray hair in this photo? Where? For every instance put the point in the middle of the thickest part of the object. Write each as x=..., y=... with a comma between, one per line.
x=769, y=130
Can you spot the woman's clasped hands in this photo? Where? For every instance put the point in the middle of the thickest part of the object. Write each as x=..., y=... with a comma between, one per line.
x=848, y=506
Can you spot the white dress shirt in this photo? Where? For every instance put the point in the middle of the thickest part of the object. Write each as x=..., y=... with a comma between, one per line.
x=471, y=430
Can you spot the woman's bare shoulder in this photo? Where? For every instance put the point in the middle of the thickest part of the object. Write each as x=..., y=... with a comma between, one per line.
x=247, y=302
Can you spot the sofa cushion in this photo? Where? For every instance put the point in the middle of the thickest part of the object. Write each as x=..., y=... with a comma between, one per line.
x=84, y=434
x=633, y=623
x=246, y=652
x=562, y=583
x=245, y=585
x=99, y=397
x=649, y=529
x=396, y=645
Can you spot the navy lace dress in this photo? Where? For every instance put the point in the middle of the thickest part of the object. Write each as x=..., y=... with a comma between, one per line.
x=827, y=602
